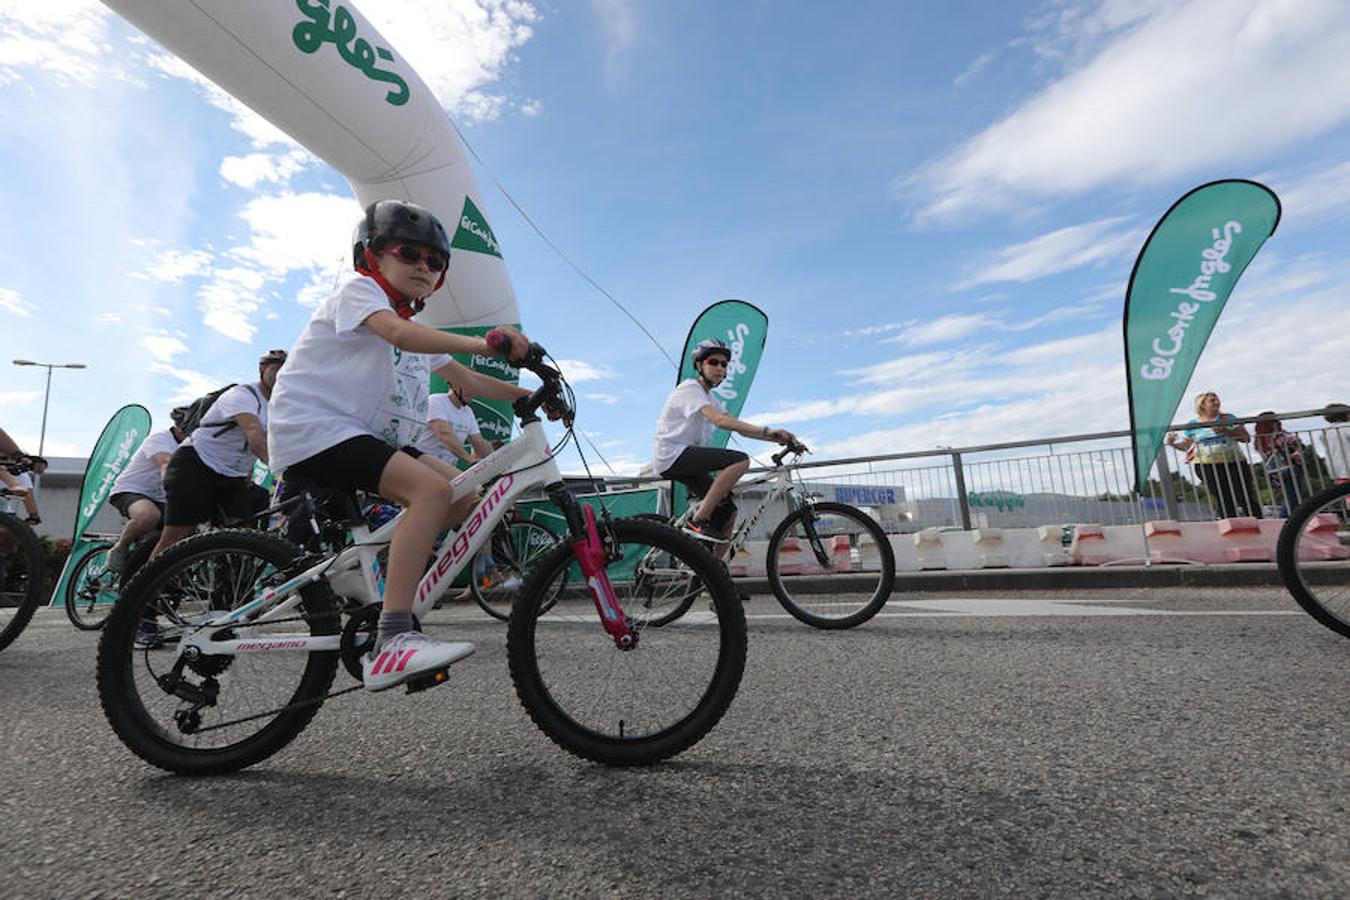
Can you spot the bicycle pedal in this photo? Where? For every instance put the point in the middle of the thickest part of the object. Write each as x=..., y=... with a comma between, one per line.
x=427, y=681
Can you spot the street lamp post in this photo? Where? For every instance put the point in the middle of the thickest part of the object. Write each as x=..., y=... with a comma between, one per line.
x=46, y=396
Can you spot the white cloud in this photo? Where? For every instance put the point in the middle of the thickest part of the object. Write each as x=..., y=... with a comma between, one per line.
x=265, y=168
x=173, y=266
x=459, y=47
x=943, y=329
x=1091, y=243
x=607, y=399
x=11, y=301
x=975, y=68
x=65, y=39
x=297, y=231
x=1322, y=194
x=228, y=299
x=16, y=397
x=576, y=371
x=163, y=347
x=618, y=24
x=1189, y=88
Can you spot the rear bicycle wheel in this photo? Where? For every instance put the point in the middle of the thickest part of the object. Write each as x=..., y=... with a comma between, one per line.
x=92, y=589
x=658, y=606
x=830, y=565
x=637, y=706
x=1314, y=557
x=494, y=583
x=22, y=577
x=212, y=714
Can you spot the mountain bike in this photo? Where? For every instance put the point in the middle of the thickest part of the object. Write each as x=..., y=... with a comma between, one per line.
x=22, y=569
x=829, y=564
x=1314, y=557
x=93, y=588
x=259, y=630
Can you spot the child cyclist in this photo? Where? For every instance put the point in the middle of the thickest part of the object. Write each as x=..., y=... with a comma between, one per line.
x=329, y=402
x=684, y=431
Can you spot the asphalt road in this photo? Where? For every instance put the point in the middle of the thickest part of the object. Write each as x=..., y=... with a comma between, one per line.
x=1125, y=743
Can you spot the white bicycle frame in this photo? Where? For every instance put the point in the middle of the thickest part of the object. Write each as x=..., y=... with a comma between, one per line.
x=783, y=486
x=517, y=467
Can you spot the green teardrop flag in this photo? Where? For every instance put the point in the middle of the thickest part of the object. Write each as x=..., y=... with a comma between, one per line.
x=121, y=438
x=744, y=328
x=1184, y=274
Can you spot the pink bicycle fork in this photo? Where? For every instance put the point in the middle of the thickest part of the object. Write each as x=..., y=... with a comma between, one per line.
x=591, y=555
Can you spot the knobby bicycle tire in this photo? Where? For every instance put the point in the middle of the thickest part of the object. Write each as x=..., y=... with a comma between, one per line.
x=627, y=707
x=83, y=606
x=834, y=613
x=1322, y=589
x=183, y=582
x=22, y=577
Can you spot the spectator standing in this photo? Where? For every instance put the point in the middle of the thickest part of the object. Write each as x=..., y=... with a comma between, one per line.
x=1282, y=459
x=1336, y=439
x=1215, y=439
x=138, y=493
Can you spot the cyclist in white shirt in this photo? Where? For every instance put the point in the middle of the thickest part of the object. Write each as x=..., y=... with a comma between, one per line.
x=684, y=431
x=138, y=493
x=330, y=408
x=451, y=431
x=213, y=467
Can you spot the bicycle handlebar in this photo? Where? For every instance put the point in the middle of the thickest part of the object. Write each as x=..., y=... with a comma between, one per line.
x=796, y=447
x=24, y=462
x=549, y=394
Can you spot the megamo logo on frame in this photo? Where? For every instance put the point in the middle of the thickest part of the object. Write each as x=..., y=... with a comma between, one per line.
x=736, y=340
x=460, y=547
x=111, y=468
x=1213, y=261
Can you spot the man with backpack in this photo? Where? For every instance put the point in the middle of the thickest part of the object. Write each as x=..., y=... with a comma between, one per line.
x=213, y=466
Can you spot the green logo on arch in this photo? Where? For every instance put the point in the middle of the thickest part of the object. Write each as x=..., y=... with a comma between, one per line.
x=474, y=234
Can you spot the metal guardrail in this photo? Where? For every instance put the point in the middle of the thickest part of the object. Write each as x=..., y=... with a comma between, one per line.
x=1071, y=478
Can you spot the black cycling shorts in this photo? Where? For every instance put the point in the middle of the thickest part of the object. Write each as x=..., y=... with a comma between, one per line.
x=122, y=500
x=193, y=491
x=356, y=463
x=694, y=467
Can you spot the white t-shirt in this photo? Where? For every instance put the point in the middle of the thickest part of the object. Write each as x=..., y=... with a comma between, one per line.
x=402, y=421
x=142, y=474
x=460, y=419
x=680, y=426
x=338, y=379
x=1337, y=439
x=226, y=452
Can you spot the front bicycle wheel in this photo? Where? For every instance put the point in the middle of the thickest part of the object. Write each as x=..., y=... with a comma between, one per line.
x=644, y=704
x=1314, y=557
x=92, y=589
x=200, y=713
x=830, y=565
x=494, y=582
x=22, y=574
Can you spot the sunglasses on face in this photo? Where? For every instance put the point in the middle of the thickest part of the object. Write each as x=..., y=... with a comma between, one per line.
x=414, y=255
x=716, y=362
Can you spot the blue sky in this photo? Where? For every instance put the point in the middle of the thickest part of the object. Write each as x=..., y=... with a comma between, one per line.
x=937, y=203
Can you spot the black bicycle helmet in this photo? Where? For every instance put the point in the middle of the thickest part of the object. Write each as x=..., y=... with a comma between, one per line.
x=705, y=348
x=396, y=220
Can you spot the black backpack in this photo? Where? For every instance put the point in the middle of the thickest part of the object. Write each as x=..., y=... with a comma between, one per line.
x=188, y=417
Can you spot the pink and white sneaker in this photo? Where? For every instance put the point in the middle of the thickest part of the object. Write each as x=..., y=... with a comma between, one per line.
x=407, y=656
